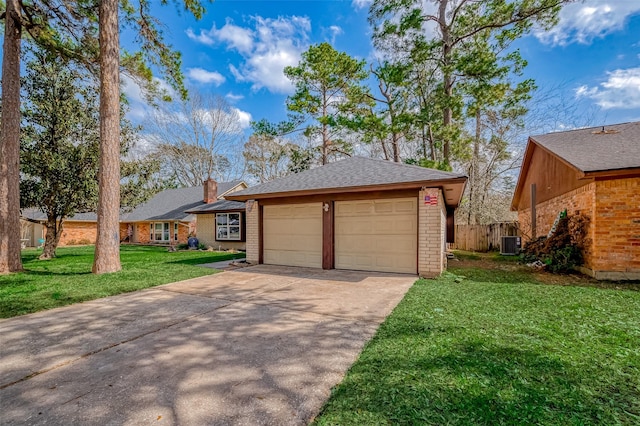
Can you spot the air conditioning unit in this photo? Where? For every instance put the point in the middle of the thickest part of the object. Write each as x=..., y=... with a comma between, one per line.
x=510, y=246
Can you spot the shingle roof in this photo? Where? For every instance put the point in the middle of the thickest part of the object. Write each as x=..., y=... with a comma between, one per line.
x=218, y=206
x=37, y=214
x=349, y=173
x=591, y=150
x=172, y=204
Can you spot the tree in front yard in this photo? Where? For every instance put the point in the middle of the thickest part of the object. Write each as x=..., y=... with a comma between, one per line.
x=59, y=146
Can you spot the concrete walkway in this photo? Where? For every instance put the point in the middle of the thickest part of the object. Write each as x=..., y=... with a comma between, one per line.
x=258, y=345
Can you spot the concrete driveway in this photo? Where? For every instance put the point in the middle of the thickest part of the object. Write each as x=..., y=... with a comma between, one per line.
x=260, y=345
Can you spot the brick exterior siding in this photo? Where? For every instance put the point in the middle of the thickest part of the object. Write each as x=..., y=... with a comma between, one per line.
x=580, y=200
x=78, y=233
x=432, y=228
x=253, y=227
x=614, y=228
x=617, y=233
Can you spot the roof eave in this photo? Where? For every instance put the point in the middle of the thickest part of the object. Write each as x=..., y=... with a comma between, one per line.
x=630, y=172
x=237, y=209
x=461, y=180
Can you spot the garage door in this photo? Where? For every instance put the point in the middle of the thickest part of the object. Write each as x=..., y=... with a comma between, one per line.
x=292, y=235
x=377, y=235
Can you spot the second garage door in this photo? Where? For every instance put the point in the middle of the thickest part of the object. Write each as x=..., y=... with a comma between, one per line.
x=292, y=235
x=377, y=235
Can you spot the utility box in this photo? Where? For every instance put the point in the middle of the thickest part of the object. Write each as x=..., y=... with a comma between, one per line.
x=510, y=245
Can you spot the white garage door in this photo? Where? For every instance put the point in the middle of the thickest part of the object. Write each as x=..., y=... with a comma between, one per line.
x=292, y=235
x=377, y=235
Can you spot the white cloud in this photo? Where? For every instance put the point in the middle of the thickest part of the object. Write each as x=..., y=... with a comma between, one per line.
x=334, y=31
x=138, y=106
x=232, y=97
x=582, y=22
x=244, y=118
x=204, y=76
x=267, y=48
x=204, y=37
x=361, y=4
x=621, y=90
x=238, y=38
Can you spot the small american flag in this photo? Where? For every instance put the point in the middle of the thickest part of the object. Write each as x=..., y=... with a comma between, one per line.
x=431, y=200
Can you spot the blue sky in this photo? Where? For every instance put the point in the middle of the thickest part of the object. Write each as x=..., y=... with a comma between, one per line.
x=238, y=50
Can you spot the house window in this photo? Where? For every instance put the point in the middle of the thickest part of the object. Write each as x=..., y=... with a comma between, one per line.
x=175, y=231
x=160, y=231
x=228, y=227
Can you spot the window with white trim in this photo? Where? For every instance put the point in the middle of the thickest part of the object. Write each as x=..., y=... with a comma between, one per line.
x=175, y=231
x=160, y=231
x=228, y=227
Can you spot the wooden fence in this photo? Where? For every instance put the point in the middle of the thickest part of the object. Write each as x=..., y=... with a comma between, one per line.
x=483, y=238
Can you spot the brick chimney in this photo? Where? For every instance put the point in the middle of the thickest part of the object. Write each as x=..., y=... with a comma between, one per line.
x=210, y=191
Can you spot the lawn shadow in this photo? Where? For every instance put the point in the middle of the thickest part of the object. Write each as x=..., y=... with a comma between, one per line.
x=476, y=382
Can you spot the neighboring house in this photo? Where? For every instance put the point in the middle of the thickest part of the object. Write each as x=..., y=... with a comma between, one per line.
x=161, y=220
x=357, y=213
x=164, y=218
x=222, y=225
x=79, y=229
x=595, y=172
x=31, y=232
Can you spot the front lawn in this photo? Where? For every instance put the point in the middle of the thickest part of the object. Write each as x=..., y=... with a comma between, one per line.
x=67, y=279
x=498, y=346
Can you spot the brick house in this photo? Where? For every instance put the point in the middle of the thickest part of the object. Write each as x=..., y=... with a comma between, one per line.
x=77, y=230
x=358, y=213
x=595, y=172
x=161, y=220
x=164, y=218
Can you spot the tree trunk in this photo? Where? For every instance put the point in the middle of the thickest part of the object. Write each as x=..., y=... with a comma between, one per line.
x=473, y=212
x=325, y=133
x=476, y=166
x=52, y=238
x=107, y=253
x=10, y=143
x=447, y=113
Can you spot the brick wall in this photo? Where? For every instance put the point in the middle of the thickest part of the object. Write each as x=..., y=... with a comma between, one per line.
x=614, y=229
x=432, y=226
x=253, y=226
x=580, y=200
x=617, y=233
x=142, y=232
x=74, y=233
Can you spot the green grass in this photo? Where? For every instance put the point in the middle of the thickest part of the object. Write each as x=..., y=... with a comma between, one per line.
x=67, y=278
x=497, y=347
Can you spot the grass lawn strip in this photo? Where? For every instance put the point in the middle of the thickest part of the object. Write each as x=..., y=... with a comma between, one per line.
x=497, y=347
x=68, y=279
